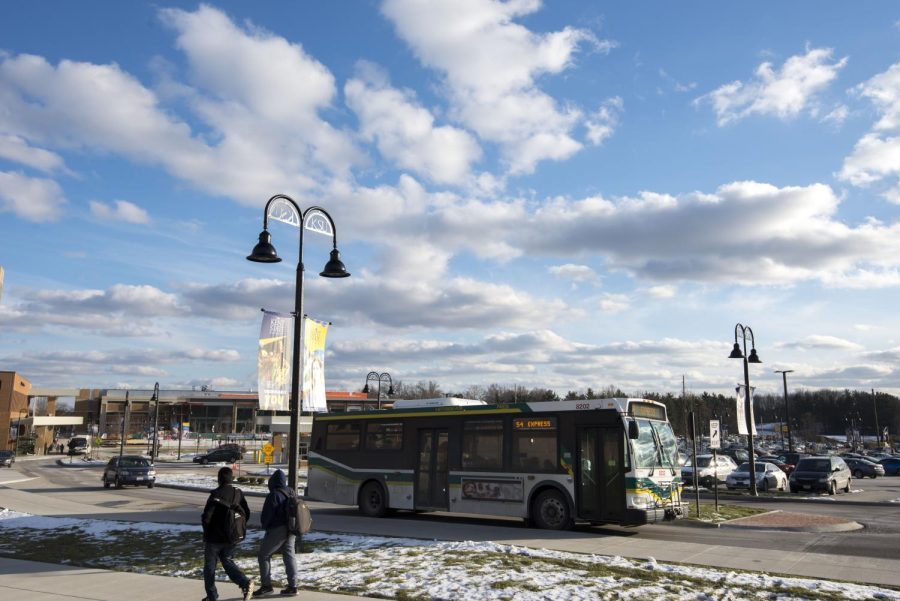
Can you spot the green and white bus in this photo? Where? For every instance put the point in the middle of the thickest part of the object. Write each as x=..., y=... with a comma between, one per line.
x=551, y=463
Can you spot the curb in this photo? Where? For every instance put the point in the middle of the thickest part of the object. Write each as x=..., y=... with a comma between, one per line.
x=247, y=493
x=788, y=499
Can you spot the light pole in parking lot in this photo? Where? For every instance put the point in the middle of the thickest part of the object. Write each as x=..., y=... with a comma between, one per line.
x=154, y=453
x=374, y=375
x=787, y=409
x=737, y=353
x=315, y=219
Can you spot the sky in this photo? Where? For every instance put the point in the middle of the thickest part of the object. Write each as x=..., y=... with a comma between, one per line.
x=563, y=194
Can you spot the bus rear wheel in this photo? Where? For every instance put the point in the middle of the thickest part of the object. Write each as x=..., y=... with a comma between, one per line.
x=372, y=502
x=550, y=511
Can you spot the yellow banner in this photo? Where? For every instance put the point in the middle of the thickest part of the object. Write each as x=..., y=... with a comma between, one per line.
x=314, y=333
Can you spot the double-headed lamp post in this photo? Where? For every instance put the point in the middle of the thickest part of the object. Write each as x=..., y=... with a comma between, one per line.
x=283, y=208
x=154, y=452
x=374, y=375
x=787, y=407
x=737, y=353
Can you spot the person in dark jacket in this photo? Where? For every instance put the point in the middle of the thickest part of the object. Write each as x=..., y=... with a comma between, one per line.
x=217, y=546
x=277, y=539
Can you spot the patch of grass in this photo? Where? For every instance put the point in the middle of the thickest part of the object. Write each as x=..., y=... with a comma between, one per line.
x=726, y=512
x=339, y=563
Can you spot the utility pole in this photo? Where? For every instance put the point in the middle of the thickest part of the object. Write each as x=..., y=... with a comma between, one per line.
x=787, y=408
x=877, y=427
x=124, y=428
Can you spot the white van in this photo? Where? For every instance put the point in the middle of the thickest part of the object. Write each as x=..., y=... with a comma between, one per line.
x=79, y=445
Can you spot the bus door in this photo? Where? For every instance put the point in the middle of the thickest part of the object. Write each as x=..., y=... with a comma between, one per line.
x=600, y=476
x=432, y=470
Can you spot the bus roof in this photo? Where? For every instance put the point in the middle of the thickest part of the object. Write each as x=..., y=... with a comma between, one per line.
x=621, y=405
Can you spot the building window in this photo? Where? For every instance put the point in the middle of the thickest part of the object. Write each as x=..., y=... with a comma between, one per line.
x=384, y=437
x=482, y=444
x=342, y=437
x=534, y=444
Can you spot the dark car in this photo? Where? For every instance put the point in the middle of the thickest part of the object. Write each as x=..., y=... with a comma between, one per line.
x=821, y=473
x=129, y=469
x=863, y=468
x=891, y=466
x=792, y=457
x=740, y=455
x=7, y=458
x=218, y=456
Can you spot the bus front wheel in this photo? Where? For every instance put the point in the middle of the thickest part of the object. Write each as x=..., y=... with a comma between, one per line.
x=372, y=502
x=550, y=511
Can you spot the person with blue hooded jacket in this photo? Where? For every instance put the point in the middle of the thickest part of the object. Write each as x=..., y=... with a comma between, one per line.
x=277, y=539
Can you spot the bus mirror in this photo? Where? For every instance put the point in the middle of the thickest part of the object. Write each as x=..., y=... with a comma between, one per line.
x=633, y=432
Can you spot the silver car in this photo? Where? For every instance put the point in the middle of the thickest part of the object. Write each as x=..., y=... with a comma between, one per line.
x=708, y=469
x=768, y=477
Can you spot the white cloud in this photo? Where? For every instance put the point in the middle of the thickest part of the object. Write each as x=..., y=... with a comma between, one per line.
x=876, y=156
x=601, y=124
x=32, y=199
x=576, y=273
x=405, y=132
x=123, y=211
x=490, y=64
x=17, y=149
x=746, y=231
x=255, y=97
x=820, y=342
x=614, y=303
x=665, y=291
x=837, y=116
x=785, y=92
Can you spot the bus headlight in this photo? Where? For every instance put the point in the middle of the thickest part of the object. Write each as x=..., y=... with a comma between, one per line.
x=640, y=500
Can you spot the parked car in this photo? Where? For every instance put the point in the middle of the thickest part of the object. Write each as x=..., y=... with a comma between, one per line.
x=821, y=473
x=7, y=458
x=862, y=468
x=784, y=466
x=739, y=455
x=129, y=469
x=792, y=457
x=707, y=469
x=891, y=466
x=218, y=456
x=768, y=477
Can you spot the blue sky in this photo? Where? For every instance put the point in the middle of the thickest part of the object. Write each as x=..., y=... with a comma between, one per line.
x=563, y=194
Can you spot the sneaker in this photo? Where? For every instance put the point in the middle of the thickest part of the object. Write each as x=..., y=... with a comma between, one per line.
x=290, y=591
x=263, y=590
x=248, y=590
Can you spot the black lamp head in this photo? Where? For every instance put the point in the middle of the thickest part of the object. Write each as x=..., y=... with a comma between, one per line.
x=334, y=268
x=736, y=352
x=753, y=358
x=391, y=390
x=264, y=252
x=366, y=388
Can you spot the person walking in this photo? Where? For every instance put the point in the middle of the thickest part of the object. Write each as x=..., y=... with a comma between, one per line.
x=277, y=539
x=219, y=540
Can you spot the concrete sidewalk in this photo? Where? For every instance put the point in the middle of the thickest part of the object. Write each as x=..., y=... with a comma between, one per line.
x=34, y=581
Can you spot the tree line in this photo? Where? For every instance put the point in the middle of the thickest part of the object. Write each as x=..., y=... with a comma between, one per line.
x=812, y=412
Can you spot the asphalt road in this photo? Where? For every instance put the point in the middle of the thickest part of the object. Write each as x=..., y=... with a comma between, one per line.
x=77, y=491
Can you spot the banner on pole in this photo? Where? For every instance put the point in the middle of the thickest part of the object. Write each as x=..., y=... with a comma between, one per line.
x=314, y=333
x=741, y=414
x=274, y=361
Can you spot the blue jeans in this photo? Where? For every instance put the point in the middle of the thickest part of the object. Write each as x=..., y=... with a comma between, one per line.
x=277, y=539
x=224, y=552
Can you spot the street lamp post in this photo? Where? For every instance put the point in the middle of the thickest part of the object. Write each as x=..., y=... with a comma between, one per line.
x=283, y=208
x=374, y=375
x=787, y=408
x=124, y=431
x=736, y=353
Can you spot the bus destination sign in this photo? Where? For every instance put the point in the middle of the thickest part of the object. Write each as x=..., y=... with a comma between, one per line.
x=534, y=423
x=647, y=411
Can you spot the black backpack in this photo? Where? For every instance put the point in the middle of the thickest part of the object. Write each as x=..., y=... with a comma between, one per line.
x=235, y=526
x=299, y=520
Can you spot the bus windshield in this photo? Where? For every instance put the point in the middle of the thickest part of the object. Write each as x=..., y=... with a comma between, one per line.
x=656, y=445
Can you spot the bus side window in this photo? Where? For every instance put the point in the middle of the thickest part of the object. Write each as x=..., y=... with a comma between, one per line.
x=342, y=436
